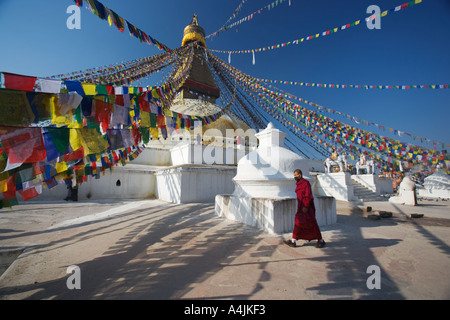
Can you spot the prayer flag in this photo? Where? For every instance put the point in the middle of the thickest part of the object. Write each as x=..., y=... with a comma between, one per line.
x=74, y=86
x=19, y=82
x=15, y=108
x=23, y=145
x=50, y=86
x=75, y=155
x=89, y=89
x=28, y=193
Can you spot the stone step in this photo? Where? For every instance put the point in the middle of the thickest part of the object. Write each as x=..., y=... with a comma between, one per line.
x=365, y=194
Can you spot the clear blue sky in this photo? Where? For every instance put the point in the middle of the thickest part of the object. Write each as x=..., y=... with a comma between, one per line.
x=412, y=47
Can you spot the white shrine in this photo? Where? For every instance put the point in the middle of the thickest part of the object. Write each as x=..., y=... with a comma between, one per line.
x=264, y=194
x=436, y=185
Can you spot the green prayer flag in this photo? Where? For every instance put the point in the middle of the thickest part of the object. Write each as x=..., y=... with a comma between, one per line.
x=153, y=120
x=145, y=134
x=60, y=138
x=102, y=90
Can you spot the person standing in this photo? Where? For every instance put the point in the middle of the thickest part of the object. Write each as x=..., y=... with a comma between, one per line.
x=305, y=227
x=72, y=187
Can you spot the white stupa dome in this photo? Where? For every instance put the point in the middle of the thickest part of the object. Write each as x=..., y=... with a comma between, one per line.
x=269, y=170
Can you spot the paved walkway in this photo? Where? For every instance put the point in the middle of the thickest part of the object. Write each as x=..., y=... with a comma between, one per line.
x=154, y=250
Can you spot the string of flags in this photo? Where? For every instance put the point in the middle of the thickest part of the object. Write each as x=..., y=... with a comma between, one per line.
x=255, y=83
x=357, y=86
x=315, y=125
x=321, y=34
x=358, y=120
x=128, y=72
x=235, y=13
x=248, y=17
x=104, y=13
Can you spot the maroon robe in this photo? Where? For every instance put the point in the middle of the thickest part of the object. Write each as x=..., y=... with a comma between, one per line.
x=306, y=226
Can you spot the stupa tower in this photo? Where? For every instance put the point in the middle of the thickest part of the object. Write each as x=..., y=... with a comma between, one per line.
x=200, y=83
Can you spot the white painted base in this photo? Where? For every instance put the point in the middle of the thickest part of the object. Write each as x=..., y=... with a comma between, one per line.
x=406, y=197
x=406, y=193
x=156, y=156
x=275, y=216
x=337, y=185
x=436, y=185
x=188, y=153
x=136, y=182
x=194, y=183
x=434, y=193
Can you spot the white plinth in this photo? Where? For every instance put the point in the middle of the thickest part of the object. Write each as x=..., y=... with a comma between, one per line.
x=337, y=185
x=189, y=153
x=193, y=183
x=275, y=216
x=407, y=198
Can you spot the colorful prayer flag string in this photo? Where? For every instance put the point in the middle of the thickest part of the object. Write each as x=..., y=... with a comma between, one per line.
x=104, y=13
x=320, y=34
x=247, y=18
x=356, y=86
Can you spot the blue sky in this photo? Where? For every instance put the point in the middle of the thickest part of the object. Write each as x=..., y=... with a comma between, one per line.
x=411, y=47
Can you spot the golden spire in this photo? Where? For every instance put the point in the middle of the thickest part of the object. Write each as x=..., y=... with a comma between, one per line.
x=193, y=32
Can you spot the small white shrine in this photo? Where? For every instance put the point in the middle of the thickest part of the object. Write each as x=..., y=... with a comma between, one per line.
x=436, y=185
x=264, y=194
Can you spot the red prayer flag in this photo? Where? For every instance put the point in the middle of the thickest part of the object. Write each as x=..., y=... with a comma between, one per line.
x=77, y=154
x=145, y=106
x=24, y=145
x=19, y=82
x=110, y=90
x=161, y=120
x=28, y=194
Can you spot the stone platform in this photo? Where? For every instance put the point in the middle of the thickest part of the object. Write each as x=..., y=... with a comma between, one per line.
x=275, y=216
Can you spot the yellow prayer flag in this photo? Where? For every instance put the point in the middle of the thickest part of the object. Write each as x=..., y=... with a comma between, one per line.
x=93, y=142
x=3, y=186
x=61, y=167
x=89, y=89
x=154, y=133
x=58, y=118
x=75, y=139
x=145, y=119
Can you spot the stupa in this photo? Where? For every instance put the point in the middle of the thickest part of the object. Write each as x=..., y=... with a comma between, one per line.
x=436, y=185
x=202, y=161
x=199, y=92
x=264, y=194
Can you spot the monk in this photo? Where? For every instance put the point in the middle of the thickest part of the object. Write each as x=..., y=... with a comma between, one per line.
x=306, y=227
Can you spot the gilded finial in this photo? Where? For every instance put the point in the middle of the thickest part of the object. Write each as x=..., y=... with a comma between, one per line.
x=194, y=20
